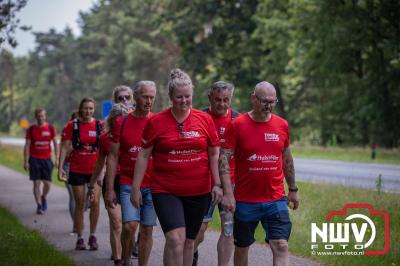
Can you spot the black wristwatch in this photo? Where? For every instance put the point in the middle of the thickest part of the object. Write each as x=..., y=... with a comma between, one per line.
x=293, y=189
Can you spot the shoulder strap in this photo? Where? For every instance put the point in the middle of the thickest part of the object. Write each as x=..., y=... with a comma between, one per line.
x=76, y=143
x=234, y=114
x=98, y=132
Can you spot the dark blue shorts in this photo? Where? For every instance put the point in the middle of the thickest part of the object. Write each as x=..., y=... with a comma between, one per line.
x=40, y=169
x=274, y=217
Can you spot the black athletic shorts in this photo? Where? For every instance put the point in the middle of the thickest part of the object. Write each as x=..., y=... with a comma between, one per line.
x=174, y=212
x=116, y=188
x=40, y=169
x=76, y=179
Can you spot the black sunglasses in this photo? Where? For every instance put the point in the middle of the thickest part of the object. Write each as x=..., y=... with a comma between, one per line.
x=124, y=97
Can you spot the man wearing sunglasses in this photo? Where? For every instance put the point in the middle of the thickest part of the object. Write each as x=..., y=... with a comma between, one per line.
x=259, y=140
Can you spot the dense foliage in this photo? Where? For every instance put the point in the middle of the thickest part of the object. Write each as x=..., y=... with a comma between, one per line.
x=335, y=64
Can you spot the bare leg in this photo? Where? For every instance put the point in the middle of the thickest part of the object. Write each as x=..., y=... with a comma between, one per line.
x=241, y=256
x=128, y=230
x=79, y=195
x=280, y=252
x=95, y=210
x=188, y=251
x=225, y=246
x=174, y=246
x=200, y=235
x=46, y=188
x=114, y=216
x=145, y=244
x=36, y=192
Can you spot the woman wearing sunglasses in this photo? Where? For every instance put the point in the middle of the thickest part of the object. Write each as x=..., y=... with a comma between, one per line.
x=184, y=147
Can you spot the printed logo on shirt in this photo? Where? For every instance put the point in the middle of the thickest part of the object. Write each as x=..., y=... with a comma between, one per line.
x=92, y=133
x=41, y=145
x=184, y=152
x=221, y=131
x=271, y=137
x=45, y=133
x=189, y=134
x=263, y=158
x=135, y=148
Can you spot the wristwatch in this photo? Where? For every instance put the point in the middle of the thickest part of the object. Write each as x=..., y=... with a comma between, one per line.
x=293, y=189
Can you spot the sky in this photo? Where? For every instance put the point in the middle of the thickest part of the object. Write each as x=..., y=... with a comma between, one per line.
x=43, y=15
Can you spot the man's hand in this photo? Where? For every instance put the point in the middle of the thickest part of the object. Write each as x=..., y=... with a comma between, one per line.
x=216, y=194
x=62, y=175
x=90, y=194
x=228, y=202
x=26, y=166
x=136, y=197
x=56, y=163
x=293, y=198
x=111, y=198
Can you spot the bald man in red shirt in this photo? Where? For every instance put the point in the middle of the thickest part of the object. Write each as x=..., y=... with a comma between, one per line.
x=259, y=141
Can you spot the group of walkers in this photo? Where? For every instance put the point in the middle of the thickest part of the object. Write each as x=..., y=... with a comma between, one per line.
x=176, y=165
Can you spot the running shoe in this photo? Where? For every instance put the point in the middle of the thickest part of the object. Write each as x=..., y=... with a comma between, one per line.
x=93, y=243
x=44, y=204
x=195, y=258
x=118, y=262
x=39, y=209
x=80, y=244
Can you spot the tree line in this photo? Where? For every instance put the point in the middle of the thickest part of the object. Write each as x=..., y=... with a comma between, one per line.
x=335, y=63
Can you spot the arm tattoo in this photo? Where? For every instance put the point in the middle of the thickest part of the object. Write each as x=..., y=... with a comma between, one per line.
x=288, y=167
x=223, y=161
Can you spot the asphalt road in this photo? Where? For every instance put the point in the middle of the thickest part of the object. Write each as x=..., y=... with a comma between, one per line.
x=363, y=175
x=55, y=226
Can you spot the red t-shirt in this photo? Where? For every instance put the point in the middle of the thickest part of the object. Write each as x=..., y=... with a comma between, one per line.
x=221, y=123
x=258, y=150
x=63, y=139
x=40, y=138
x=104, y=145
x=180, y=157
x=130, y=145
x=83, y=160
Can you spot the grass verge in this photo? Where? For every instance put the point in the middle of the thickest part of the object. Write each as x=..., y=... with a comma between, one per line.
x=20, y=246
x=13, y=157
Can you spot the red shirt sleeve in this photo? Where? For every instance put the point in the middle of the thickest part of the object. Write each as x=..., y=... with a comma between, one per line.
x=230, y=137
x=28, y=133
x=116, y=130
x=68, y=131
x=53, y=132
x=287, y=140
x=213, y=139
x=149, y=134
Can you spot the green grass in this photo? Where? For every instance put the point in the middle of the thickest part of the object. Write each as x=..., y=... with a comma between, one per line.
x=13, y=157
x=351, y=154
x=20, y=246
x=317, y=200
